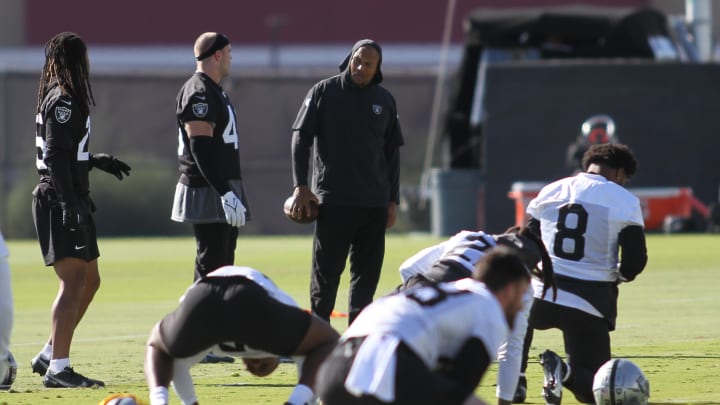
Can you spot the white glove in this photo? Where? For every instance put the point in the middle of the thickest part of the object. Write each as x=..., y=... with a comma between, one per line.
x=234, y=209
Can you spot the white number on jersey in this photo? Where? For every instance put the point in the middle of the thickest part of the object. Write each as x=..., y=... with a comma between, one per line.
x=82, y=153
x=181, y=145
x=230, y=133
x=432, y=294
x=470, y=249
x=40, y=146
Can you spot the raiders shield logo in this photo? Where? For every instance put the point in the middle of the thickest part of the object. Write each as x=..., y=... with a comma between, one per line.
x=377, y=109
x=200, y=109
x=62, y=114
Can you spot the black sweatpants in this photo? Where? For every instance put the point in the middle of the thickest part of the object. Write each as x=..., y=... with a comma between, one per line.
x=586, y=338
x=339, y=231
x=215, y=245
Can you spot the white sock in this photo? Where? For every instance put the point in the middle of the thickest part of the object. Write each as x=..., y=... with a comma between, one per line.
x=158, y=396
x=58, y=365
x=300, y=395
x=47, y=351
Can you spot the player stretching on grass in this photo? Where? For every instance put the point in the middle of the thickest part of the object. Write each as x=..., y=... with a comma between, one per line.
x=430, y=344
x=240, y=311
x=456, y=257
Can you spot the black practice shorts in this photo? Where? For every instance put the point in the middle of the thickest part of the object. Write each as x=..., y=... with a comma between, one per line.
x=232, y=309
x=56, y=241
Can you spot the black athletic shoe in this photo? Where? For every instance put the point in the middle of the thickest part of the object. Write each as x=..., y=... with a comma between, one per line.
x=552, y=385
x=68, y=378
x=520, y=391
x=40, y=364
x=10, y=367
x=212, y=358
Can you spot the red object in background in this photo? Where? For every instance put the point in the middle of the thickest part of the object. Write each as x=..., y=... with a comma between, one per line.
x=657, y=203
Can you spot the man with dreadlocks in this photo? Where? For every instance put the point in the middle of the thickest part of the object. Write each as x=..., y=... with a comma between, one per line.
x=62, y=208
x=456, y=258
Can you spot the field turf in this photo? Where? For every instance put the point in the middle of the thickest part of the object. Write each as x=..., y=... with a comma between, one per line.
x=669, y=319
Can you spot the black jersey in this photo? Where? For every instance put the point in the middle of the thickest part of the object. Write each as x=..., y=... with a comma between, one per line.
x=201, y=99
x=62, y=139
x=354, y=129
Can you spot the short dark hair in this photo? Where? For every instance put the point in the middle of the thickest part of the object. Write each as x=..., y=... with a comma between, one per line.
x=499, y=267
x=614, y=155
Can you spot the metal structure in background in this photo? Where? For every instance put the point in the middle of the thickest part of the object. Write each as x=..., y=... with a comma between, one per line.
x=438, y=98
x=544, y=35
x=547, y=36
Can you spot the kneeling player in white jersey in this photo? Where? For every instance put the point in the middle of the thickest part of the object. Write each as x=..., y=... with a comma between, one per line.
x=240, y=311
x=585, y=221
x=430, y=344
x=456, y=257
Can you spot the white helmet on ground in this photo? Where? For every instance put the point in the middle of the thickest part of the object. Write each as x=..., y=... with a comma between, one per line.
x=620, y=382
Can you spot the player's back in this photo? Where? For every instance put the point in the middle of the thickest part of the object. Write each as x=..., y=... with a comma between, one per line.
x=580, y=219
x=436, y=320
x=466, y=248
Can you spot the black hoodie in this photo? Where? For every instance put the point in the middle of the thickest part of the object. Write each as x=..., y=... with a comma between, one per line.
x=345, y=65
x=356, y=135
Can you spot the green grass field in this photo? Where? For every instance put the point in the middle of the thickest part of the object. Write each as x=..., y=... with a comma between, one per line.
x=669, y=319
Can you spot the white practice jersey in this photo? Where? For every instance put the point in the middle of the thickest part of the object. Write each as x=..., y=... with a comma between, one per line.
x=436, y=320
x=580, y=220
x=465, y=248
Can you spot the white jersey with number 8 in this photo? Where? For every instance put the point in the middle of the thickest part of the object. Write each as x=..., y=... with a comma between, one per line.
x=580, y=220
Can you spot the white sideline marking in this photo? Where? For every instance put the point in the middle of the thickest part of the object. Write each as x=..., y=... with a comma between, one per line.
x=98, y=339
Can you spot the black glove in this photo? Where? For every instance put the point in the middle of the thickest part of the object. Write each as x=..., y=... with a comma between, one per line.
x=71, y=219
x=111, y=164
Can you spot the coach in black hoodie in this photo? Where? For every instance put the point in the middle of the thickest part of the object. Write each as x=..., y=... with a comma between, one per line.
x=352, y=122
